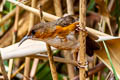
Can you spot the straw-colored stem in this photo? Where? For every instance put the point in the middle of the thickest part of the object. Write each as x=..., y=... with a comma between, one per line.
x=70, y=67
x=31, y=23
x=70, y=8
x=109, y=26
x=67, y=54
x=51, y=62
x=1, y=61
x=57, y=59
x=16, y=18
x=108, y=75
x=102, y=25
x=27, y=68
x=3, y=68
x=82, y=38
x=27, y=59
x=18, y=70
x=58, y=11
x=34, y=68
x=46, y=16
x=58, y=8
x=36, y=60
x=103, y=29
x=10, y=68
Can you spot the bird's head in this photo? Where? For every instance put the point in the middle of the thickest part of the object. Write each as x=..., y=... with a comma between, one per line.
x=37, y=31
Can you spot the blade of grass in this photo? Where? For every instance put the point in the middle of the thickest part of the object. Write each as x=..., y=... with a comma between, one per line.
x=91, y=5
x=108, y=54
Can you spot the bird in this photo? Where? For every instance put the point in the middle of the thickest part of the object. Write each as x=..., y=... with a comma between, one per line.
x=61, y=34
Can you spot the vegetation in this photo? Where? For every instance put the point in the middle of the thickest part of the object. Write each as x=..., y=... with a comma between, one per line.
x=37, y=60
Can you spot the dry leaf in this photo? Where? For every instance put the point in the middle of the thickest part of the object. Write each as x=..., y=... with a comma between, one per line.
x=114, y=49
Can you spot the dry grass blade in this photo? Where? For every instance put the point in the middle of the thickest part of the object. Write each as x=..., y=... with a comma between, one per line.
x=105, y=15
x=113, y=46
x=29, y=47
x=3, y=68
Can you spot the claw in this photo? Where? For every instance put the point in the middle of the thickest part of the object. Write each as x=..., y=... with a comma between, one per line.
x=82, y=66
x=24, y=39
x=81, y=29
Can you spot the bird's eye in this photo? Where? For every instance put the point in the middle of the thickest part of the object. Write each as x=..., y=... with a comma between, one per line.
x=33, y=32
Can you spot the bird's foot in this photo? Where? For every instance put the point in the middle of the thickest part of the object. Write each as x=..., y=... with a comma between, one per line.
x=78, y=28
x=82, y=66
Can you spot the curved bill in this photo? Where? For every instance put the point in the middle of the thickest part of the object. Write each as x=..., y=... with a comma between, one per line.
x=24, y=39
